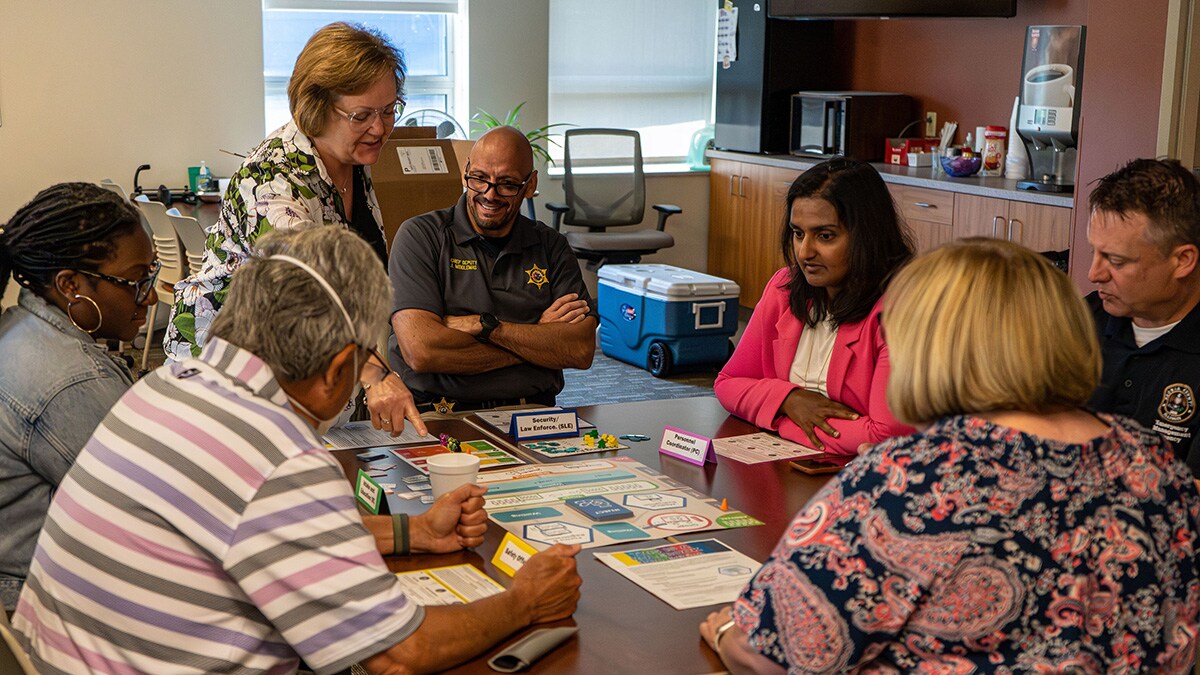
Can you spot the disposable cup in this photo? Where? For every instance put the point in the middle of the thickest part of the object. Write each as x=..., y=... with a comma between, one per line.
x=449, y=470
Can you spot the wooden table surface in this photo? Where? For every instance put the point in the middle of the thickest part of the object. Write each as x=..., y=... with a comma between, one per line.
x=623, y=627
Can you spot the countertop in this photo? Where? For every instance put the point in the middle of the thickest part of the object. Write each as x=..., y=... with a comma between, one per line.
x=981, y=186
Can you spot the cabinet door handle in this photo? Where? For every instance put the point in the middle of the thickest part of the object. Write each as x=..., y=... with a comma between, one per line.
x=731, y=177
x=1021, y=232
x=996, y=220
x=741, y=186
x=926, y=206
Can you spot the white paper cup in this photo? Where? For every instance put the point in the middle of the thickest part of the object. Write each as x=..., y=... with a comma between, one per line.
x=449, y=470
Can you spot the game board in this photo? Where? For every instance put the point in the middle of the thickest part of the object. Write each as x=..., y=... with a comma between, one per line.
x=528, y=501
x=565, y=447
x=490, y=457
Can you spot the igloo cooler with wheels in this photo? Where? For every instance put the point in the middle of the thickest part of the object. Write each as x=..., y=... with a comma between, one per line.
x=661, y=317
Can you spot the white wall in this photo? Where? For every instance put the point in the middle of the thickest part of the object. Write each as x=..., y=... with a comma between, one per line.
x=90, y=90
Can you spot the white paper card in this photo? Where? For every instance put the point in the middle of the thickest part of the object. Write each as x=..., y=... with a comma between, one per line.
x=686, y=575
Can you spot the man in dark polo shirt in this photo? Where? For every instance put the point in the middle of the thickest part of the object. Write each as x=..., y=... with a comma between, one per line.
x=1145, y=232
x=490, y=306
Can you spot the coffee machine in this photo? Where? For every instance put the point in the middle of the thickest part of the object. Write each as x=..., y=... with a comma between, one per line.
x=1048, y=116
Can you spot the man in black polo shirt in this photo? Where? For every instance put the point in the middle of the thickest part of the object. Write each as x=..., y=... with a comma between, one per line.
x=1145, y=232
x=490, y=306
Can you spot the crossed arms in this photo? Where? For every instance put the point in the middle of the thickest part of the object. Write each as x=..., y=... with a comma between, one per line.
x=563, y=337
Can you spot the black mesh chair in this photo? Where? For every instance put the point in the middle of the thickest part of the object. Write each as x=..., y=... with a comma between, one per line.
x=601, y=200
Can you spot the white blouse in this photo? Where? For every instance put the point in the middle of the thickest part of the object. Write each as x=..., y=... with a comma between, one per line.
x=810, y=365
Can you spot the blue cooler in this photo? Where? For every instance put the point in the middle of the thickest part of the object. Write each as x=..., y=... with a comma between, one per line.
x=659, y=317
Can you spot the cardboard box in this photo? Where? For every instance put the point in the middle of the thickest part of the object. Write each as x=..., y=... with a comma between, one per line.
x=415, y=176
x=896, y=149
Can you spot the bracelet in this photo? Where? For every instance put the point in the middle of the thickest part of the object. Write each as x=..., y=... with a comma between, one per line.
x=721, y=631
x=400, y=542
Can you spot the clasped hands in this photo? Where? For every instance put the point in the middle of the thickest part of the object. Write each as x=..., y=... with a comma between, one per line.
x=811, y=411
x=570, y=308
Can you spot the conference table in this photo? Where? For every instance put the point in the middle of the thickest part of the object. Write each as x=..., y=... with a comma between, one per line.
x=622, y=627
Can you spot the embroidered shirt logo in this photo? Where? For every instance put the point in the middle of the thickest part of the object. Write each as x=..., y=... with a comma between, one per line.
x=1178, y=404
x=464, y=265
x=537, y=276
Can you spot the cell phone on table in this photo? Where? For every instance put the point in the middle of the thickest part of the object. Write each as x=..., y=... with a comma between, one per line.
x=598, y=508
x=814, y=467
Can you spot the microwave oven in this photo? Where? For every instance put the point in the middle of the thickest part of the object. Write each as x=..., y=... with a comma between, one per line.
x=852, y=124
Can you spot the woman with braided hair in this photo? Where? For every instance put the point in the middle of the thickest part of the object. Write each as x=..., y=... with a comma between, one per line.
x=87, y=272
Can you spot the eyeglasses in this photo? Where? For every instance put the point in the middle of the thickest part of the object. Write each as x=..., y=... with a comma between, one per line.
x=382, y=365
x=360, y=119
x=142, y=287
x=477, y=184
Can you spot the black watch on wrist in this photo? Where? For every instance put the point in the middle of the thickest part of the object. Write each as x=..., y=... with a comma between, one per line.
x=489, y=322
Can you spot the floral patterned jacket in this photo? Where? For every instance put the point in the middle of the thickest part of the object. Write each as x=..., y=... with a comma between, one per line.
x=281, y=185
x=974, y=547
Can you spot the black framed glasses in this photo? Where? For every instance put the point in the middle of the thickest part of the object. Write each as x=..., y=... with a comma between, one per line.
x=361, y=119
x=505, y=189
x=141, y=287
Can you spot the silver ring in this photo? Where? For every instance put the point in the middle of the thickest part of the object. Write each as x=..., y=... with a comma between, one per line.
x=385, y=420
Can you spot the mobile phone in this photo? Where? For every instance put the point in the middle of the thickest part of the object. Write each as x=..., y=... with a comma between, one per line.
x=599, y=508
x=814, y=467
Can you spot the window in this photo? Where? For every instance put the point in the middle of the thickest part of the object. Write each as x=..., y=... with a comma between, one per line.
x=632, y=64
x=424, y=31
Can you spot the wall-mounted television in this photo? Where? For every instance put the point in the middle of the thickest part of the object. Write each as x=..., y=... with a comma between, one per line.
x=879, y=9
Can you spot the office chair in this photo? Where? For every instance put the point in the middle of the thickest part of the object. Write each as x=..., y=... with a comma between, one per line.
x=166, y=246
x=192, y=236
x=601, y=199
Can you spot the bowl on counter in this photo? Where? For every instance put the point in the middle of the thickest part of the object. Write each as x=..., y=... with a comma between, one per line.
x=960, y=166
x=209, y=197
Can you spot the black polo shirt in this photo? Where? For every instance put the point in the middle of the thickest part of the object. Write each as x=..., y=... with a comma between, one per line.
x=1155, y=384
x=439, y=264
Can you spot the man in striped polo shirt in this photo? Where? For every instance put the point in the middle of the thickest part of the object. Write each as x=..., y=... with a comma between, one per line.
x=205, y=528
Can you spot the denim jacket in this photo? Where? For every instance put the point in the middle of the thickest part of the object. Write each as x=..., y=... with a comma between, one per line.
x=56, y=385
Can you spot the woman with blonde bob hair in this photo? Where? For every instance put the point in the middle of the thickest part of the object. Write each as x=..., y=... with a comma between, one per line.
x=1017, y=531
x=345, y=93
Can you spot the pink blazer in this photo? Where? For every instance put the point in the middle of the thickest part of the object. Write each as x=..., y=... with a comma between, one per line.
x=755, y=382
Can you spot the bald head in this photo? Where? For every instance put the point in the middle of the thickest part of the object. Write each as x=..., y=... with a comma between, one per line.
x=501, y=161
x=505, y=145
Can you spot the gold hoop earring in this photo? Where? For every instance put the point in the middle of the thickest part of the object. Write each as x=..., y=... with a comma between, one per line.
x=99, y=314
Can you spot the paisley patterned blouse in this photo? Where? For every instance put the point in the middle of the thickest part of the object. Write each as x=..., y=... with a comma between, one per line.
x=282, y=184
x=974, y=547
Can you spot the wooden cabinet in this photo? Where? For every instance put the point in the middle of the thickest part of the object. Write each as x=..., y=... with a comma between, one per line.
x=747, y=202
x=928, y=213
x=745, y=222
x=1036, y=226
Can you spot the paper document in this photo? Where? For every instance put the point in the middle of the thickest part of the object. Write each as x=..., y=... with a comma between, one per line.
x=686, y=575
x=452, y=585
x=760, y=447
x=727, y=36
x=362, y=435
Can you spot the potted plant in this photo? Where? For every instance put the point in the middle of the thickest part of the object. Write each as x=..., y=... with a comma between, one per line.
x=483, y=120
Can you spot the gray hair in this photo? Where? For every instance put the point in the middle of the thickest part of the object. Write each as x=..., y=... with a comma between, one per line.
x=281, y=314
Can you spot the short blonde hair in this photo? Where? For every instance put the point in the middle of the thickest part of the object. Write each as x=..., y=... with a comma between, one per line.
x=340, y=59
x=980, y=325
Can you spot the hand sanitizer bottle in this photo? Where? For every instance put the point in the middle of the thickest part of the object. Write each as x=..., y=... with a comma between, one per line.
x=204, y=178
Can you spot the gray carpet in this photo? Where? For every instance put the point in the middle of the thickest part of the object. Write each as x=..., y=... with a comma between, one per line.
x=613, y=381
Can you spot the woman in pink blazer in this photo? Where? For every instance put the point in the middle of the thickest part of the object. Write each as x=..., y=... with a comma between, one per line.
x=812, y=363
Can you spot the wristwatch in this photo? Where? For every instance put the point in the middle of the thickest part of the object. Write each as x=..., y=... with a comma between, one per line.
x=489, y=322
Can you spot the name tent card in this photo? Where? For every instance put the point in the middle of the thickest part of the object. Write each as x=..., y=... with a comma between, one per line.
x=368, y=492
x=688, y=447
x=512, y=554
x=544, y=424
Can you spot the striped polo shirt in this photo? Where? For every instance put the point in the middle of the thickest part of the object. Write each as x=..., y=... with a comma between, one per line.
x=205, y=528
